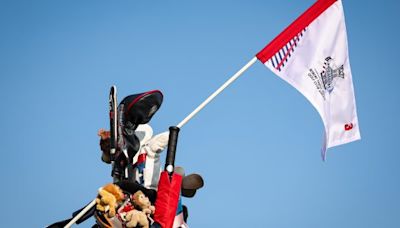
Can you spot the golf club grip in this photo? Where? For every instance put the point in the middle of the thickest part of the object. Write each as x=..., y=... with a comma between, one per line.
x=112, y=142
x=172, y=142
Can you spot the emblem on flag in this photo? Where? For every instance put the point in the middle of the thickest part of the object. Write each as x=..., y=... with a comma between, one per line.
x=325, y=81
x=331, y=72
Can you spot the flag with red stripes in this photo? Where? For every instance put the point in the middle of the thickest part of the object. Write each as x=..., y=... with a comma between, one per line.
x=312, y=55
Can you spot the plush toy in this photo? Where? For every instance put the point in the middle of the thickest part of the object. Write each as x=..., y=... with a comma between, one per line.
x=141, y=202
x=143, y=209
x=109, y=197
x=135, y=218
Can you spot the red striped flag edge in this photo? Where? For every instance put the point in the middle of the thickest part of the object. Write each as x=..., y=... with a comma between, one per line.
x=294, y=29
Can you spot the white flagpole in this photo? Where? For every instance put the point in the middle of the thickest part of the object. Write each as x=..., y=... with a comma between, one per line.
x=218, y=91
x=78, y=216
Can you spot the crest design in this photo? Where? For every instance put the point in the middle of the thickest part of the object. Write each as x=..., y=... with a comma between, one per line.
x=325, y=80
x=330, y=72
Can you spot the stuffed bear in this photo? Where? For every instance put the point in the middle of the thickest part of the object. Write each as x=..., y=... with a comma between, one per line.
x=143, y=209
x=135, y=218
x=109, y=197
x=141, y=202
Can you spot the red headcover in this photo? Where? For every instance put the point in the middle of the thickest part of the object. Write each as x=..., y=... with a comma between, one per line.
x=167, y=199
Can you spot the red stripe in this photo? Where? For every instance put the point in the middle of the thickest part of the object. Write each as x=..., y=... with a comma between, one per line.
x=139, y=97
x=293, y=29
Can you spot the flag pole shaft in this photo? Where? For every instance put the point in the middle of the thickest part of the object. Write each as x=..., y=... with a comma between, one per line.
x=218, y=91
x=78, y=216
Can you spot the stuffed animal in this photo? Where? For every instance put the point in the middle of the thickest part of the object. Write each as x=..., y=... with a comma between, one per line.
x=143, y=209
x=109, y=197
x=142, y=203
x=135, y=218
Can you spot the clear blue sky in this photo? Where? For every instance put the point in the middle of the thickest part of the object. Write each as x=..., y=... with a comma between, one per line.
x=257, y=145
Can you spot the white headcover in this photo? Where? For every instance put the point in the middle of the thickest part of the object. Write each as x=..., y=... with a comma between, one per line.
x=144, y=132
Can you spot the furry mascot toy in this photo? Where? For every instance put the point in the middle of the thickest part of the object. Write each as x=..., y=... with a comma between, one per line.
x=109, y=197
x=143, y=209
x=141, y=202
x=136, y=218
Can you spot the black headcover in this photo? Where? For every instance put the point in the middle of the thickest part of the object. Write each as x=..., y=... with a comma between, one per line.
x=135, y=110
x=140, y=108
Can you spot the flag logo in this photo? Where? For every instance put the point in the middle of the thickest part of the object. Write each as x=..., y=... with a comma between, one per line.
x=325, y=80
x=330, y=73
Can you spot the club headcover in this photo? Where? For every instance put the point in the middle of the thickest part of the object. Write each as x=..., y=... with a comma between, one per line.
x=135, y=110
x=140, y=108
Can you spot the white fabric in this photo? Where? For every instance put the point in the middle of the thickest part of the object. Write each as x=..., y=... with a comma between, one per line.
x=324, y=37
x=151, y=147
x=159, y=142
x=144, y=132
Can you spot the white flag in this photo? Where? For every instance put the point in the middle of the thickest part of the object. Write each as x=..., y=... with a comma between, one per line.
x=312, y=55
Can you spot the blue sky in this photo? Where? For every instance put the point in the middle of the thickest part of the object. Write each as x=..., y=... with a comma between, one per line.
x=256, y=145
